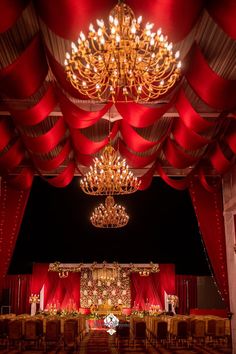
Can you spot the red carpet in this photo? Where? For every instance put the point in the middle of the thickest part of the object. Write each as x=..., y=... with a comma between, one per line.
x=98, y=342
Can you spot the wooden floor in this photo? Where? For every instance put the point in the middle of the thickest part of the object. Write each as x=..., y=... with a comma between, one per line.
x=100, y=342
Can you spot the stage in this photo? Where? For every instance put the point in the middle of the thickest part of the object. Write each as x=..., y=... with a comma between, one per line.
x=79, y=291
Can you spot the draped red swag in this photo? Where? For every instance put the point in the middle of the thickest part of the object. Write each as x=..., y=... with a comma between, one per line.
x=45, y=143
x=32, y=141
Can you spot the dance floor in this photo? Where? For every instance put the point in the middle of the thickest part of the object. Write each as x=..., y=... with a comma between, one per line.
x=100, y=342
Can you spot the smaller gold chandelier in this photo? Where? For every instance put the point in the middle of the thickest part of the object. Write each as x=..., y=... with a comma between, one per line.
x=63, y=274
x=109, y=176
x=122, y=61
x=110, y=215
x=144, y=273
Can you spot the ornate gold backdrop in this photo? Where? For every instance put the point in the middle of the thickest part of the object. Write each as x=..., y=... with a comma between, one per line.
x=114, y=292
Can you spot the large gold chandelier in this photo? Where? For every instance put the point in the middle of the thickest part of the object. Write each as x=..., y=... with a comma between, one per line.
x=110, y=215
x=124, y=62
x=109, y=176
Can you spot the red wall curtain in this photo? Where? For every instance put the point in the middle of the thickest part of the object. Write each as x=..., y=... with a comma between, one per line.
x=186, y=290
x=71, y=285
x=19, y=292
x=40, y=273
x=24, y=291
x=144, y=291
x=12, y=207
x=167, y=279
x=209, y=211
x=151, y=289
x=50, y=288
x=62, y=292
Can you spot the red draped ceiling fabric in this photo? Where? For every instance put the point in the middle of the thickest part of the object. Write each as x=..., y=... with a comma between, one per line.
x=12, y=207
x=10, y=12
x=167, y=13
x=56, y=145
x=209, y=211
x=150, y=290
x=31, y=64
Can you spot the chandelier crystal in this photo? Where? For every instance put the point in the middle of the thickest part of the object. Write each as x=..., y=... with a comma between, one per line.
x=109, y=176
x=110, y=215
x=123, y=61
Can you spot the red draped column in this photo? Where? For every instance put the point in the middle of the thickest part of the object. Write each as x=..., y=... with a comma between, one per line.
x=209, y=211
x=12, y=207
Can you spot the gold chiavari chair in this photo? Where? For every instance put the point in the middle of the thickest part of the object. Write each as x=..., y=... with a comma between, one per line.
x=33, y=333
x=198, y=329
x=138, y=332
x=161, y=334
x=181, y=336
x=123, y=333
x=70, y=334
x=52, y=334
x=3, y=332
x=210, y=330
x=15, y=333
